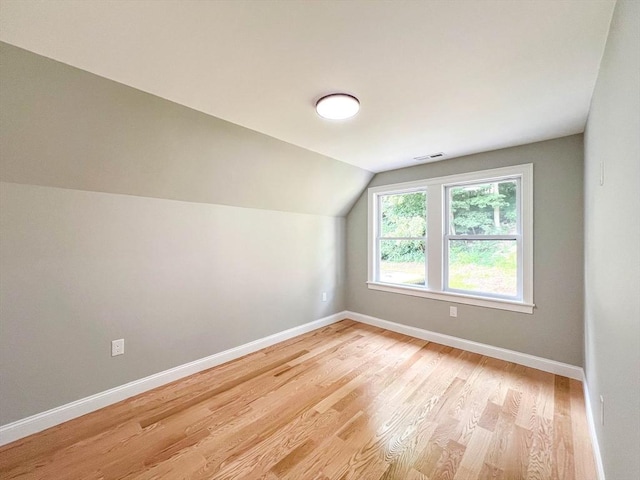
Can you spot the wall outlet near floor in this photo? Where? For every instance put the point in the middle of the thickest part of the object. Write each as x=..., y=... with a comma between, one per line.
x=324, y=296
x=601, y=410
x=453, y=311
x=117, y=347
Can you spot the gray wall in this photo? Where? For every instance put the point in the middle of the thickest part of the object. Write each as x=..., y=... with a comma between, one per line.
x=555, y=329
x=127, y=216
x=178, y=281
x=612, y=247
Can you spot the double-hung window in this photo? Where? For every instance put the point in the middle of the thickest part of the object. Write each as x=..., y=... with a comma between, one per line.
x=463, y=238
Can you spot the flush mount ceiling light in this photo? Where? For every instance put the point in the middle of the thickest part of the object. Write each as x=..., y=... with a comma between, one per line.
x=337, y=106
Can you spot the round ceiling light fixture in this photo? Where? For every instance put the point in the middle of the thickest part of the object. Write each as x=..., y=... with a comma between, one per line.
x=337, y=106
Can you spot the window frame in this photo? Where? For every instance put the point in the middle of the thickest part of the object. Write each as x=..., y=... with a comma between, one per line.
x=436, y=246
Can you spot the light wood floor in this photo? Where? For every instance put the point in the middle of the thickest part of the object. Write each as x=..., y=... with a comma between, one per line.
x=348, y=401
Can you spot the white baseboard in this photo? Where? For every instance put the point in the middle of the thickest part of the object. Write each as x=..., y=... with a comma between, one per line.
x=41, y=421
x=592, y=430
x=525, y=359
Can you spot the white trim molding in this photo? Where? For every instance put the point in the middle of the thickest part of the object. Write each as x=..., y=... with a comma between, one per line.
x=487, y=302
x=41, y=421
x=546, y=365
x=592, y=429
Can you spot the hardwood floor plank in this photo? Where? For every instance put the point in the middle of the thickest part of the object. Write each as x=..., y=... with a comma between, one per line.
x=516, y=460
x=490, y=473
x=472, y=461
x=403, y=465
x=585, y=466
x=540, y=459
x=490, y=416
x=562, y=458
x=545, y=402
x=347, y=401
x=174, y=467
x=449, y=461
x=483, y=382
x=293, y=457
x=415, y=475
x=511, y=404
x=145, y=422
x=428, y=460
x=526, y=417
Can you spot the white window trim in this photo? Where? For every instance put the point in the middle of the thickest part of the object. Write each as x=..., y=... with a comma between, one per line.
x=435, y=235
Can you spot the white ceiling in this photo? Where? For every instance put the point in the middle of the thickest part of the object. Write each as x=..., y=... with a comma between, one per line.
x=450, y=76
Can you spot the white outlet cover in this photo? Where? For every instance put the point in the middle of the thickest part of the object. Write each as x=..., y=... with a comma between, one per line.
x=117, y=347
x=453, y=311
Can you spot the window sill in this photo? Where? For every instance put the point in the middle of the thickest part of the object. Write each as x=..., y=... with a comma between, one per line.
x=499, y=304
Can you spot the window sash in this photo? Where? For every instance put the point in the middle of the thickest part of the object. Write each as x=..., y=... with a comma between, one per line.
x=380, y=237
x=403, y=238
x=511, y=236
x=483, y=293
x=447, y=203
x=446, y=237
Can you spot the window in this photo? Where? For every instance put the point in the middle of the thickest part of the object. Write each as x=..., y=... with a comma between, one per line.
x=402, y=237
x=463, y=238
x=481, y=239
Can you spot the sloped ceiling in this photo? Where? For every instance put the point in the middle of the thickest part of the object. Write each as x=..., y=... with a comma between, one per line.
x=65, y=127
x=458, y=77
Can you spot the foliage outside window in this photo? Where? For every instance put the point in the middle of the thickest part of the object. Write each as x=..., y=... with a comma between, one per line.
x=464, y=238
x=402, y=238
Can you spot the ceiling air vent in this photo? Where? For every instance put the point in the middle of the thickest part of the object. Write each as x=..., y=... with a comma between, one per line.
x=433, y=156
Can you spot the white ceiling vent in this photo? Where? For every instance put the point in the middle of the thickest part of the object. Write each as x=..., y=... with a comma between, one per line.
x=433, y=156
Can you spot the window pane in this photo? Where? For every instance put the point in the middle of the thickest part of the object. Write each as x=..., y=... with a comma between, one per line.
x=484, y=209
x=484, y=266
x=403, y=215
x=402, y=261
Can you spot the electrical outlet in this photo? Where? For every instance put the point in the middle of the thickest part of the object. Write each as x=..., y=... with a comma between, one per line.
x=324, y=296
x=453, y=311
x=601, y=410
x=117, y=347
